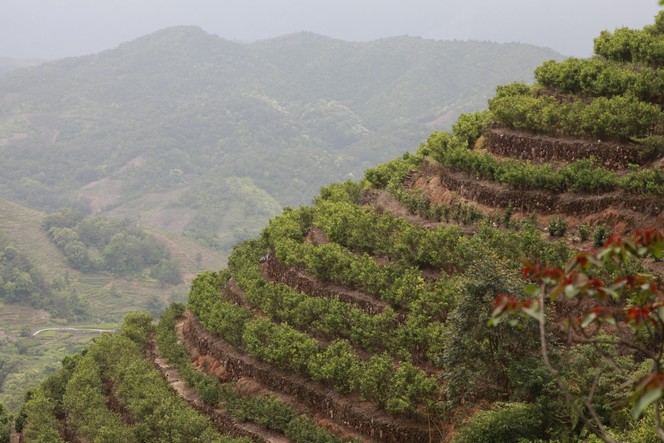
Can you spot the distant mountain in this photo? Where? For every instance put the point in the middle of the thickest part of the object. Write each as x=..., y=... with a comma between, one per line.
x=183, y=130
x=469, y=292
x=8, y=64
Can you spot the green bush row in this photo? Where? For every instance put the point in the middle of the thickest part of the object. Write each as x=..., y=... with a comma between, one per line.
x=413, y=338
x=580, y=176
x=114, y=371
x=634, y=46
x=399, y=282
x=619, y=118
x=287, y=348
x=601, y=78
x=267, y=411
x=38, y=421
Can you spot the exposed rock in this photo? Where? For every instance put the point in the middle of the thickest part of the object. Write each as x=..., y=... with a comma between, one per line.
x=541, y=149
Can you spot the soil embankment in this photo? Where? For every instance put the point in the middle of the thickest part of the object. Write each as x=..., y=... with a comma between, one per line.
x=362, y=417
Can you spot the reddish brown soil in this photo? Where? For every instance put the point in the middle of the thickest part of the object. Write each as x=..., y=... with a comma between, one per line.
x=362, y=417
x=316, y=237
x=276, y=272
x=222, y=421
x=381, y=201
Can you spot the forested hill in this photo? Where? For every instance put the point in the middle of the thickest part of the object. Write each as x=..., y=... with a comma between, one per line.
x=187, y=131
x=502, y=284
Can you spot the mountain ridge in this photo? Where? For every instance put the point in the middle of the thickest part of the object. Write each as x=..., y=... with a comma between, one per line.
x=181, y=100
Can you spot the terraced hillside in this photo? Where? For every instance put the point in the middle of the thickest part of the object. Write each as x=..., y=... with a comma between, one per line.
x=364, y=317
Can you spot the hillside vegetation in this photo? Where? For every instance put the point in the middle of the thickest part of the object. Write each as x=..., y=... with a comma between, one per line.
x=41, y=288
x=186, y=131
x=375, y=314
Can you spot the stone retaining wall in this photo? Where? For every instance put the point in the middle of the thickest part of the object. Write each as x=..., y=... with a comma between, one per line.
x=364, y=418
x=545, y=149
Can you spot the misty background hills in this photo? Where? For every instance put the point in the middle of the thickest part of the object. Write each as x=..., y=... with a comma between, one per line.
x=186, y=131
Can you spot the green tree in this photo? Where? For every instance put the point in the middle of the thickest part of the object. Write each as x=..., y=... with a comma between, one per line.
x=167, y=271
x=610, y=296
x=5, y=424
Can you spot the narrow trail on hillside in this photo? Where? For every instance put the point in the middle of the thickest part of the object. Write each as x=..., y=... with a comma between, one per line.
x=222, y=421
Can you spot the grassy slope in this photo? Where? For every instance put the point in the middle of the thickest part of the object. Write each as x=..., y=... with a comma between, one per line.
x=110, y=298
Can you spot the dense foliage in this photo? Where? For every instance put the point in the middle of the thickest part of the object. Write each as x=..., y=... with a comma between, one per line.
x=121, y=247
x=617, y=336
x=619, y=118
x=5, y=424
x=267, y=411
x=597, y=77
x=644, y=46
x=100, y=389
x=582, y=176
x=21, y=282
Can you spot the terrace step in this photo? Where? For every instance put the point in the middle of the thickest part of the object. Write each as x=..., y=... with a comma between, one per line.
x=541, y=149
x=361, y=417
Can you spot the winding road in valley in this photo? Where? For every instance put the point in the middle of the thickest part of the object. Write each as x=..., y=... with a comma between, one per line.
x=72, y=329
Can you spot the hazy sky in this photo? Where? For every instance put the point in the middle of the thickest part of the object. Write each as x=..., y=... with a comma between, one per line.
x=59, y=28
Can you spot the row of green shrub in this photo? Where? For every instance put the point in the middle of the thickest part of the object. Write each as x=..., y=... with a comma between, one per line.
x=364, y=230
x=114, y=371
x=584, y=176
x=634, y=46
x=266, y=411
x=619, y=118
x=399, y=282
x=601, y=78
x=416, y=337
x=403, y=389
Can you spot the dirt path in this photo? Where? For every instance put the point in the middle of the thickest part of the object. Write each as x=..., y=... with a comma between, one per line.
x=250, y=386
x=222, y=421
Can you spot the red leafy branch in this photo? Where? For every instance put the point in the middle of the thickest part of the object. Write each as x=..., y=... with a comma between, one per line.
x=631, y=299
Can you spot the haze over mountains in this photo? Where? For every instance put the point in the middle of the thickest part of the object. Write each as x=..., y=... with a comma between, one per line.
x=184, y=130
x=399, y=308
x=373, y=314
x=34, y=28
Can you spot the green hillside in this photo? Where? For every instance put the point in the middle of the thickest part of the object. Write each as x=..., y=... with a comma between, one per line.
x=212, y=138
x=40, y=288
x=502, y=284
